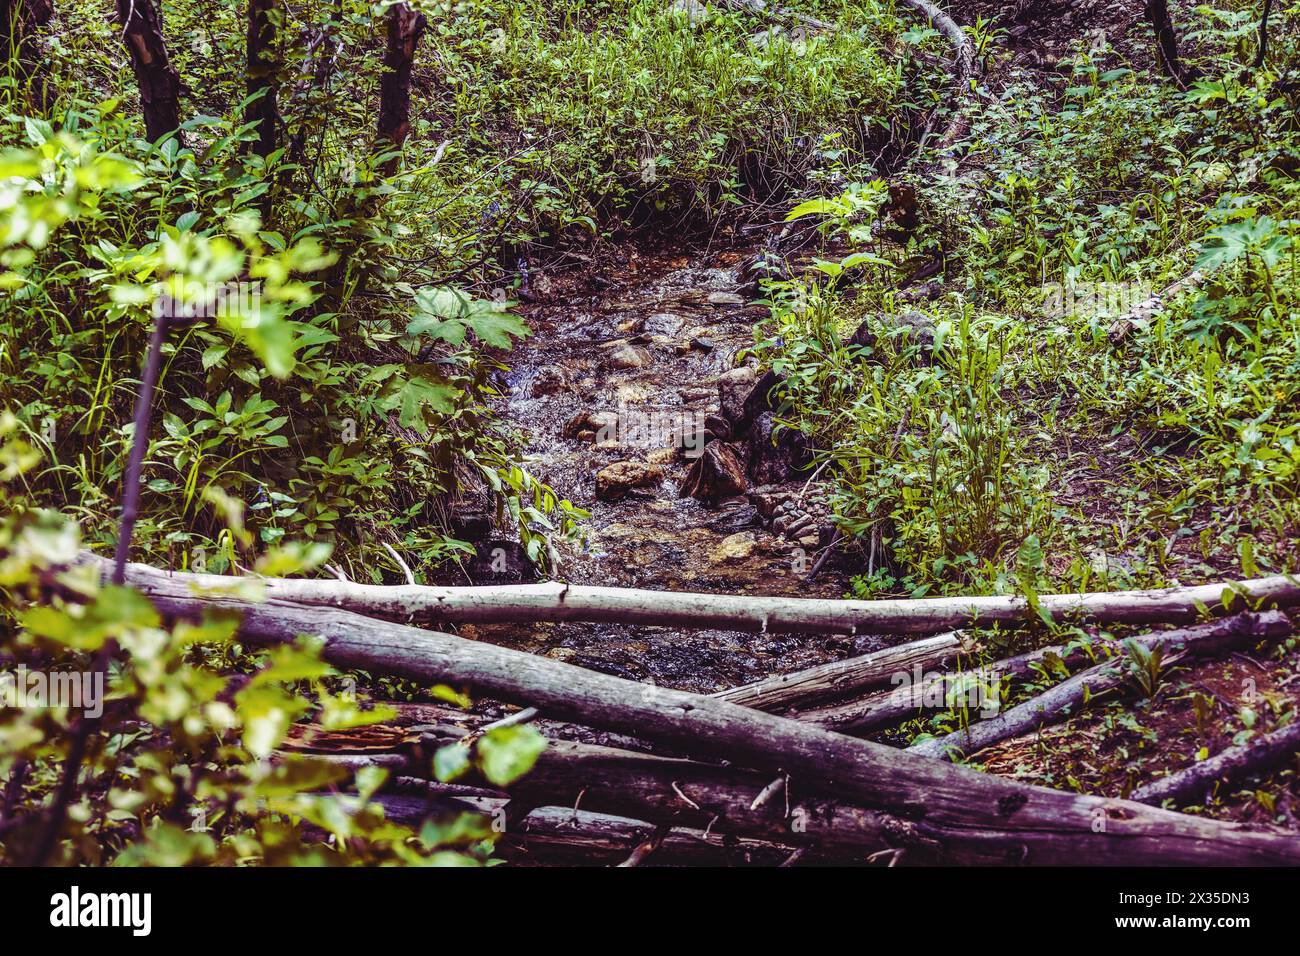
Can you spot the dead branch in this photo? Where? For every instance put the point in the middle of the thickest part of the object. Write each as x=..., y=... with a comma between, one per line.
x=1230, y=766
x=1206, y=640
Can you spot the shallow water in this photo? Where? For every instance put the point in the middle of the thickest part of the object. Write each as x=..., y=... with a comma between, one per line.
x=653, y=538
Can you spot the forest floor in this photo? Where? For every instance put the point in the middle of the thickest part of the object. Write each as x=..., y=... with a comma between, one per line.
x=650, y=330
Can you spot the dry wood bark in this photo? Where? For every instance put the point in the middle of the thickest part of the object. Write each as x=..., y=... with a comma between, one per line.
x=517, y=603
x=1157, y=13
x=1262, y=753
x=1204, y=640
x=973, y=817
x=160, y=85
x=884, y=707
x=840, y=678
x=405, y=27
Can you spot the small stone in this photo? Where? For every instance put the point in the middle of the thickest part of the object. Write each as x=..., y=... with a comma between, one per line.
x=663, y=325
x=725, y=298
x=702, y=344
x=549, y=380
x=735, y=547
x=663, y=456
x=630, y=356
x=613, y=482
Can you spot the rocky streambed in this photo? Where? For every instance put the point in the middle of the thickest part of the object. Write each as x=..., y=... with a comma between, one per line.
x=634, y=401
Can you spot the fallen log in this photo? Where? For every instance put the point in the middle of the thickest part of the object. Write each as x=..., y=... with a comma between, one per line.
x=972, y=817
x=839, y=678
x=680, y=793
x=525, y=603
x=1206, y=640
x=559, y=835
x=885, y=707
x=1255, y=756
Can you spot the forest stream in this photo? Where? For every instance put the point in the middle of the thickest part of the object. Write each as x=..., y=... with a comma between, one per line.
x=648, y=358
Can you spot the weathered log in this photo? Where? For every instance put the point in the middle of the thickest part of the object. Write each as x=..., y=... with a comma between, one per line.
x=973, y=817
x=1205, y=640
x=554, y=835
x=1262, y=753
x=516, y=603
x=680, y=793
x=884, y=707
x=839, y=678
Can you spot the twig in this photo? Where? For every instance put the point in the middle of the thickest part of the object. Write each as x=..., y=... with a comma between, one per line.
x=410, y=578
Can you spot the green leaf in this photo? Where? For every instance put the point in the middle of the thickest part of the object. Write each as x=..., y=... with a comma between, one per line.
x=451, y=762
x=507, y=753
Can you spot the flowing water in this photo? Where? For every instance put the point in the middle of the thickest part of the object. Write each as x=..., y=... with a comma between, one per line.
x=643, y=355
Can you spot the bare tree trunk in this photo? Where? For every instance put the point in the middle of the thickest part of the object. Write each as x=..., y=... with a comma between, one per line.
x=973, y=817
x=263, y=68
x=1157, y=11
x=160, y=85
x=840, y=678
x=1261, y=52
x=405, y=27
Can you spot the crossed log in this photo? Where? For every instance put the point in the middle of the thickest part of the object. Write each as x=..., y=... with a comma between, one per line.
x=958, y=815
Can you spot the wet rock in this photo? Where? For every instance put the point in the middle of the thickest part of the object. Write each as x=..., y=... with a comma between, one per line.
x=733, y=548
x=663, y=325
x=775, y=456
x=664, y=456
x=733, y=388
x=767, y=498
x=630, y=356
x=915, y=328
x=725, y=299
x=549, y=380
x=613, y=482
x=716, y=474
x=716, y=427
x=737, y=514
x=594, y=422
x=498, y=561
x=702, y=344
x=761, y=398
